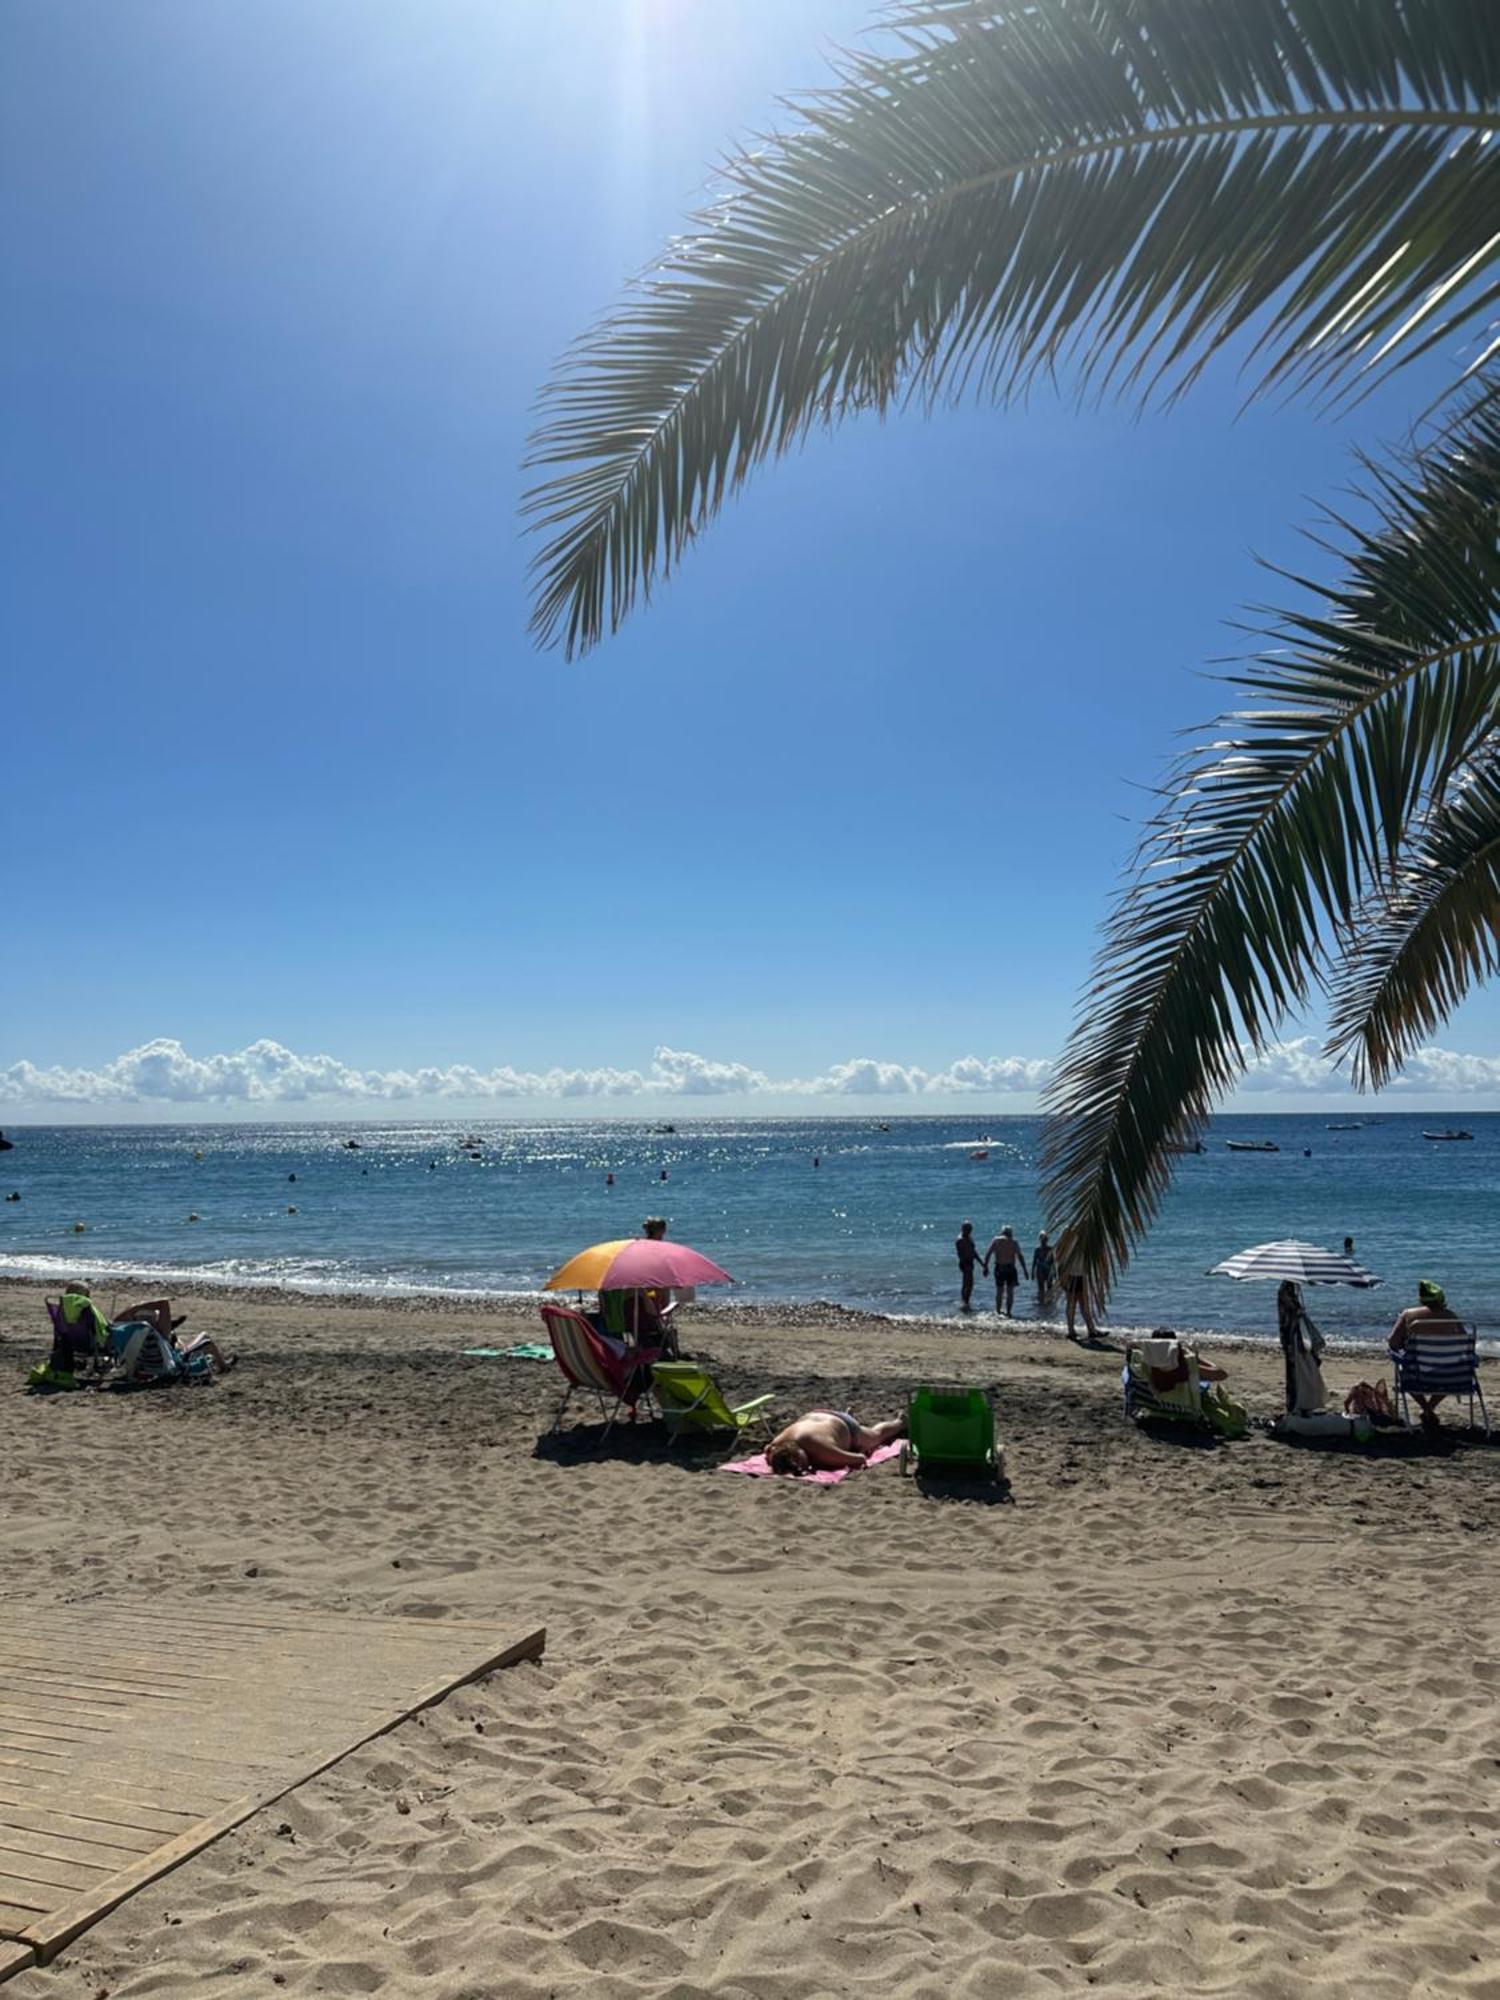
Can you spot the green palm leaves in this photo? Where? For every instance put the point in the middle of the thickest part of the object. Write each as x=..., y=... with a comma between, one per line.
x=1350, y=816
x=1115, y=187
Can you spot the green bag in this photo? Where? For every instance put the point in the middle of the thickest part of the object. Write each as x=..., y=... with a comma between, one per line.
x=45, y=1380
x=1226, y=1417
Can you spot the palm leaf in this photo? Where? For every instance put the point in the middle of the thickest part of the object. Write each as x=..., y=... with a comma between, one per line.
x=1420, y=948
x=1370, y=699
x=1116, y=187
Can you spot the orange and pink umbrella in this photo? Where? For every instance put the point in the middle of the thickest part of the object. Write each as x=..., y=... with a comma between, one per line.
x=636, y=1263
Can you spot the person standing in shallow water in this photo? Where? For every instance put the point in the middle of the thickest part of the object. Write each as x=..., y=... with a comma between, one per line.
x=1043, y=1270
x=968, y=1264
x=1006, y=1254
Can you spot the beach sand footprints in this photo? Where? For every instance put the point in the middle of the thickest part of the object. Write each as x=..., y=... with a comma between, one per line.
x=1152, y=1730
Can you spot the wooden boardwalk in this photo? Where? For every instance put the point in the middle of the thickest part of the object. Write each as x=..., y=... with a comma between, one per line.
x=133, y=1735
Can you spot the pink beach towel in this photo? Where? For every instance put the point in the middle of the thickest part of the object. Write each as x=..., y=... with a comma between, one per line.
x=757, y=1468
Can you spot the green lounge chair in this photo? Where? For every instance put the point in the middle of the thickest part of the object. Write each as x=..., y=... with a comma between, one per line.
x=690, y=1399
x=951, y=1434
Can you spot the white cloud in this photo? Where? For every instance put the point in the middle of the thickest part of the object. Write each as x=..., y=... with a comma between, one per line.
x=1298, y=1067
x=266, y=1073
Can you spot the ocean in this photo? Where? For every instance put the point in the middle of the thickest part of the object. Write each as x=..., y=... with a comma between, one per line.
x=857, y=1211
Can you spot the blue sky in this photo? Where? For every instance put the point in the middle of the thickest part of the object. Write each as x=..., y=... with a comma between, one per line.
x=283, y=281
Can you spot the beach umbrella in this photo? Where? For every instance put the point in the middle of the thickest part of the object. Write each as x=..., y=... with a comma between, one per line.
x=1303, y=1263
x=636, y=1263
x=585, y=1272
x=651, y=1263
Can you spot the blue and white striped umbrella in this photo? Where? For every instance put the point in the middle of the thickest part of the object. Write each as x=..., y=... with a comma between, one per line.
x=1303, y=1263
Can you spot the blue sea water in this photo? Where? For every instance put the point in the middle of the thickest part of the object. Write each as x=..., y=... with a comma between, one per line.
x=871, y=1226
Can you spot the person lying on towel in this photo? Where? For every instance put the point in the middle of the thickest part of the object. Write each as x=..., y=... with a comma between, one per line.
x=825, y=1440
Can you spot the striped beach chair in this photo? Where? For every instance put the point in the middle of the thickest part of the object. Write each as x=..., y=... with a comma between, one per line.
x=1160, y=1380
x=1440, y=1363
x=589, y=1362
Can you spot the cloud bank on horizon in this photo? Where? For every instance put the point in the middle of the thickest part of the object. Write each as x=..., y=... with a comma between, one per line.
x=266, y=1073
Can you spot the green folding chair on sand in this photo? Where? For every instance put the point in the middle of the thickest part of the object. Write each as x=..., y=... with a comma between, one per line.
x=950, y=1433
x=690, y=1399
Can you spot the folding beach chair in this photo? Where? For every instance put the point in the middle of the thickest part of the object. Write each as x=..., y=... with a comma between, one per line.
x=141, y=1358
x=1160, y=1380
x=690, y=1399
x=1440, y=1364
x=79, y=1334
x=950, y=1433
x=588, y=1362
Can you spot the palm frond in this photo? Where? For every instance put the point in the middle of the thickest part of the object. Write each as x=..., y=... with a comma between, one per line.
x=1420, y=948
x=1370, y=699
x=1115, y=187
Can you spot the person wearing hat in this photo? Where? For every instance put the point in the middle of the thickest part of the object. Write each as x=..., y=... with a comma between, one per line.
x=1431, y=1314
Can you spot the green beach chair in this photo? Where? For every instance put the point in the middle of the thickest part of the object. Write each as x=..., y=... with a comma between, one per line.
x=690, y=1399
x=951, y=1434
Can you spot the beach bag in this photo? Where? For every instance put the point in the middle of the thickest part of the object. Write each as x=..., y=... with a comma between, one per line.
x=1372, y=1400
x=1226, y=1417
x=45, y=1380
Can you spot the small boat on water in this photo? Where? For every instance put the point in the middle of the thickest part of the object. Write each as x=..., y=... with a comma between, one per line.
x=1355, y=1127
x=1447, y=1135
x=1185, y=1146
x=979, y=1155
x=1252, y=1145
x=6, y=1145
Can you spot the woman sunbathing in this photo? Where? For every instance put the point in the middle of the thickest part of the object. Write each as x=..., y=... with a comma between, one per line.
x=157, y=1313
x=826, y=1440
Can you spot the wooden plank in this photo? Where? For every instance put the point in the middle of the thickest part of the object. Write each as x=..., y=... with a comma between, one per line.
x=99, y=1836
x=26, y=1896
x=90, y=1704
x=54, y=1846
x=27, y=1866
x=17, y=1765
x=12, y=1715
x=43, y=1679
x=46, y=1730
x=60, y=1926
x=121, y=1662
x=151, y=1821
x=45, y=1788
x=14, y=1958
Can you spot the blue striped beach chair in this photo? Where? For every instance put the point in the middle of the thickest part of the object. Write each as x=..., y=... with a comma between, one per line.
x=1443, y=1363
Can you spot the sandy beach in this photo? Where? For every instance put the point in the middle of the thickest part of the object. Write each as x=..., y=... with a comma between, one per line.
x=1160, y=1719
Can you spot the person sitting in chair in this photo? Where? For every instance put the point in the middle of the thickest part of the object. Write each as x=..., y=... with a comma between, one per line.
x=80, y=1331
x=1430, y=1315
x=825, y=1440
x=157, y=1314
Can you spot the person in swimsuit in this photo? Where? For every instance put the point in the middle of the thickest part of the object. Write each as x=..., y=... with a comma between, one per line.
x=1076, y=1291
x=158, y=1313
x=825, y=1440
x=1006, y=1254
x=1044, y=1270
x=1432, y=1315
x=968, y=1263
